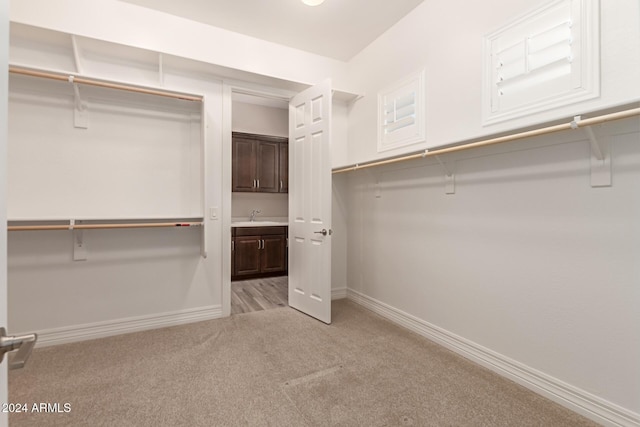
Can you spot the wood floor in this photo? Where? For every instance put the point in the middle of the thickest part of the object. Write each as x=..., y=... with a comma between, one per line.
x=259, y=294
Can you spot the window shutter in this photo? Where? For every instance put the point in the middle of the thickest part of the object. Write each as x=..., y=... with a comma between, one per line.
x=545, y=59
x=401, y=113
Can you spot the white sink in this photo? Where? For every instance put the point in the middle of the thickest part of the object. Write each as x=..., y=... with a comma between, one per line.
x=258, y=223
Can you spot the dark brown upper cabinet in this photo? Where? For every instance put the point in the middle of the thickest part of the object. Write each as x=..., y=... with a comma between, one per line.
x=284, y=168
x=260, y=163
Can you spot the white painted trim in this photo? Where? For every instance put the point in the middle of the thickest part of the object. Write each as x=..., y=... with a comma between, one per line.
x=4, y=141
x=571, y=397
x=227, y=110
x=338, y=293
x=588, y=15
x=108, y=328
x=229, y=87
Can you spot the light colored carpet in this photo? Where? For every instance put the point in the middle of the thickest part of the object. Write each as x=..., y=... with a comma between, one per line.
x=274, y=368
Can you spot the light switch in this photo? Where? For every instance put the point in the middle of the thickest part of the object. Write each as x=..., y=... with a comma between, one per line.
x=213, y=212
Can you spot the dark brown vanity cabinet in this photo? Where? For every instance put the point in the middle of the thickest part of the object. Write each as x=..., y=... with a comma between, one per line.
x=260, y=163
x=258, y=251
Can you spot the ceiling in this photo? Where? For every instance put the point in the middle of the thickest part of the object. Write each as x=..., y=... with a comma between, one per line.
x=337, y=28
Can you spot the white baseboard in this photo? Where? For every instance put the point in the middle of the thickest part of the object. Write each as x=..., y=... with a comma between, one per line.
x=89, y=331
x=338, y=293
x=578, y=400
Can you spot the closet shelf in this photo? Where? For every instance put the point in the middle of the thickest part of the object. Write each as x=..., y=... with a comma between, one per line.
x=36, y=225
x=574, y=124
x=77, y=79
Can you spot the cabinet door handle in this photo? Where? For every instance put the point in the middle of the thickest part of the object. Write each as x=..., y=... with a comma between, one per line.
x=263, y=245
x=233, y=245
x=258, y=181
x=280, y=185
x=254, y=183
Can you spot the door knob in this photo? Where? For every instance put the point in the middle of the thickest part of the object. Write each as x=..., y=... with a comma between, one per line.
x=23, y=343
x=324, y=232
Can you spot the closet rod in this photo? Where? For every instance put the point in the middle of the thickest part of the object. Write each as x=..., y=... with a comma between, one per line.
x=75, y=79
x=521, y=135
x=101, y=226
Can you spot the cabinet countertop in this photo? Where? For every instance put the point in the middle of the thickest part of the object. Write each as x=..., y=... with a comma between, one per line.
x=259, y=224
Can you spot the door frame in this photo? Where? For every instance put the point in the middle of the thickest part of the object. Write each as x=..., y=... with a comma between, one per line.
x=229, y=88
x=4, y=122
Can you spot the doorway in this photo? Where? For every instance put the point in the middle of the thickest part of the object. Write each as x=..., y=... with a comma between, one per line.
x=259, y=294
x=259, y=203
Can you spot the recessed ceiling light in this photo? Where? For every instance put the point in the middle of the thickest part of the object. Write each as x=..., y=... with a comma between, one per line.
x=312, y=2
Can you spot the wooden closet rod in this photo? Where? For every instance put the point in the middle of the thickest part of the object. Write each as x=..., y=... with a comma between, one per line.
x=521, y=135
x=101, y=226
x=75, y=79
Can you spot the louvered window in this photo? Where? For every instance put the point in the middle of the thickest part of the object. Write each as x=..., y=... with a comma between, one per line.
x=545, y=59
x=401, y=113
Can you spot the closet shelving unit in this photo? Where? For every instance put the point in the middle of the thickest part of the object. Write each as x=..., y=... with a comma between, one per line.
x=43, y=224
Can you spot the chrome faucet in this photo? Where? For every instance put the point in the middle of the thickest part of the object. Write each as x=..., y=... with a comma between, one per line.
x=253, y=214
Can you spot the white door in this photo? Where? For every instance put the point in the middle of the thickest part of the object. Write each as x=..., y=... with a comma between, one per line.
x=310, y=202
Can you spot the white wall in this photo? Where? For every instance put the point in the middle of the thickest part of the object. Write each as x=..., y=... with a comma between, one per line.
x=339, y=210
x=147, y=166
x=446, y=38
x=339, y=132
x=271, y=206
x=526, y=260
x=260, y=119
x=526, y=268
x=339, y=238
